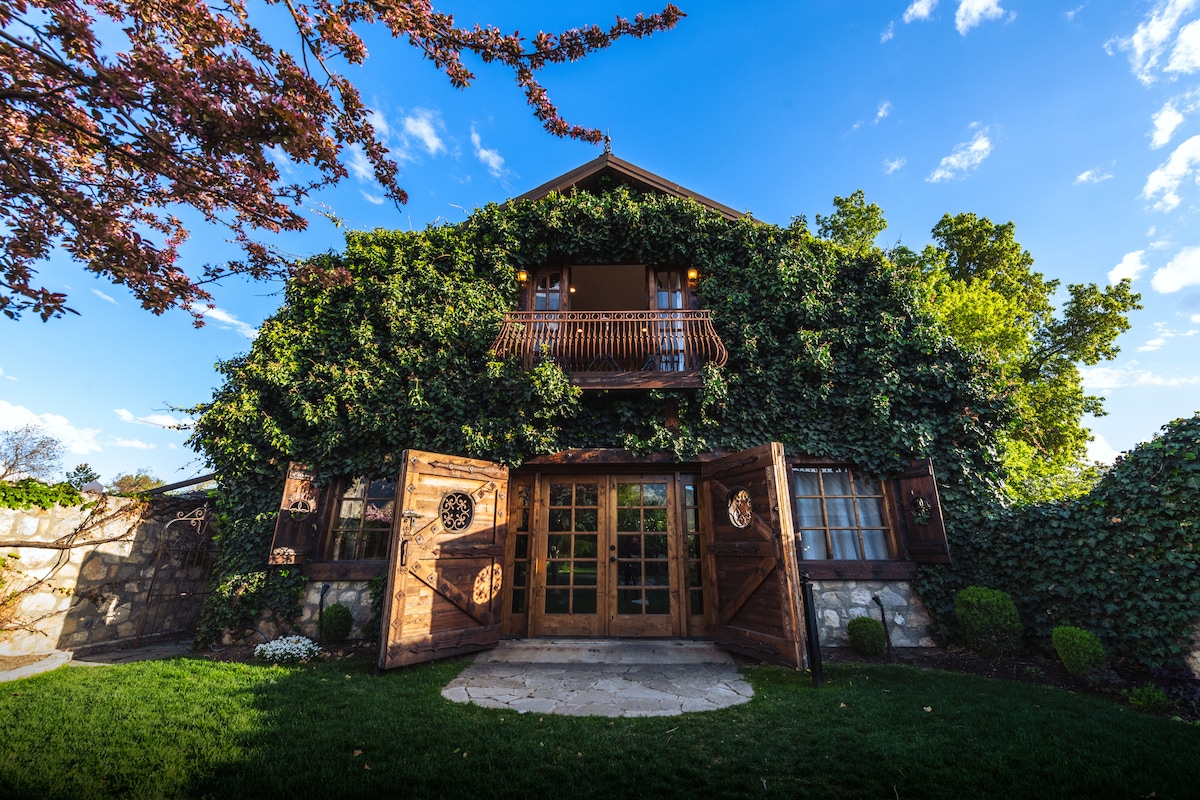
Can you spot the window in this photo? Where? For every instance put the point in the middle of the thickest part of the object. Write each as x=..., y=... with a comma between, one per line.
x=840, y=514
x=362, y=522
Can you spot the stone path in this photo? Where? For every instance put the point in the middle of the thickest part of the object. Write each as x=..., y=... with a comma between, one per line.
x=606, y=678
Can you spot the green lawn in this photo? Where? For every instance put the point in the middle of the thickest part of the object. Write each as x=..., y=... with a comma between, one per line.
x=192, y=728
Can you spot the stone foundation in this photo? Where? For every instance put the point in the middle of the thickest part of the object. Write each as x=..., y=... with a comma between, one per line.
x=355, y=595
x=838, y=602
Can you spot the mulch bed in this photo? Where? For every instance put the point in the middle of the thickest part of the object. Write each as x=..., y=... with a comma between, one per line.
x=9, y=663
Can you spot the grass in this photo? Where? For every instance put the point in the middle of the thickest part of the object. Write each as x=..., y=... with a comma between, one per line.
x=193, y=728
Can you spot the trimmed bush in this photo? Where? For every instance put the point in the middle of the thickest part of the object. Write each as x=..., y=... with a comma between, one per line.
x=988, y=621
x=867, y=636
x=1079, y=650
x=336, y=623
x=1148, y=698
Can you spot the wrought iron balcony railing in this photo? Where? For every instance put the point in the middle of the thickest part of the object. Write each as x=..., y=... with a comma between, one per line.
x=615, y=349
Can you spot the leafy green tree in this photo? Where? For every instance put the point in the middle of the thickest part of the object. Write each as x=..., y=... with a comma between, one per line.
x=980, y=284
x=81, y=476
x=135, y=483
x=853, y=224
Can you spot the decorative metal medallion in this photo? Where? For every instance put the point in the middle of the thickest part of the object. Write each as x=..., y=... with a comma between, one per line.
x=741, y=508
x=457, y=511
x=300, y=510
x=922, y=510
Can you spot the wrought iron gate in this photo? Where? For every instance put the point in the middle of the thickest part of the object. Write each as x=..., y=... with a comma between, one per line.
x=179, y=582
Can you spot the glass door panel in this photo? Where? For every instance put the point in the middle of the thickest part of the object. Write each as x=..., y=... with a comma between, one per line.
x=643, y=555
x=569, y=547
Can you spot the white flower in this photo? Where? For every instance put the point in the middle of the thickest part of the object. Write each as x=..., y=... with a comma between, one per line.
x=287, y=650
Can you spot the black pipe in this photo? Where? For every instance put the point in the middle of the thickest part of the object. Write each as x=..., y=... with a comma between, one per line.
x=813, y=638
x=321, y=613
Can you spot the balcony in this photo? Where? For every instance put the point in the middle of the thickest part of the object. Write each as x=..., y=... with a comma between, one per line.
x=616, y=349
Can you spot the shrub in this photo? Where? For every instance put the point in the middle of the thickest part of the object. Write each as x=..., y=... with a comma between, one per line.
x=1079, y=650
x=336, y=624
x=1148, y=698
x=288, y=650
x=988, y=620
x=866, y=636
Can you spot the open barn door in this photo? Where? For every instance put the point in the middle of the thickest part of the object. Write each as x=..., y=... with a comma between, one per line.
x=752, y=568
x=445, y=570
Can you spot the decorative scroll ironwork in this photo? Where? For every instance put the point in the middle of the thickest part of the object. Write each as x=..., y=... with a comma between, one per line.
x=457, y=511
x=613, y=341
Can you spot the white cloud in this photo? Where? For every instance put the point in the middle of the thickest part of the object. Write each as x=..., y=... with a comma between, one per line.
x=1070, y=15
x=1146, y=45
x=885, y=108
x=135, y=444
x=1166, y=120
x=9, y=377
x=972, y=13
x=1131, y=267
x=1100, y=378
x=1195, y=318
x=1165, y=180
x=1185, y=58
x=1100, y=450
x=374, y=200
x=157, y=420
x=1092, y=176
x=490, y=158
x=359, y=165
x=228, y=322
x=888, y=34
x=78, y=441
x=379, y=123
x=966, y=156
x=423, y=125
x=890, y=166
x=1153, y=344
x=1183, y=270
x=919, y=9
x=105, y=297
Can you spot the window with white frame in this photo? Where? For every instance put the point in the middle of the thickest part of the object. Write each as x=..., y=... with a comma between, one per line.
x=840, y=514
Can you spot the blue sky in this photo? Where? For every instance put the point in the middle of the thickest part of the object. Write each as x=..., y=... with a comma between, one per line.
x=1079, y=121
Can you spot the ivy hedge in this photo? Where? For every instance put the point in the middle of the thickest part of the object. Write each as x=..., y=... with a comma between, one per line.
x=1122, y=562
x=384, y=346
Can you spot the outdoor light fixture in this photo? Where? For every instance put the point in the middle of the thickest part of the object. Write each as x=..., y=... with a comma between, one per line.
x=522, y=276
x=572, y=290
x=693, y=275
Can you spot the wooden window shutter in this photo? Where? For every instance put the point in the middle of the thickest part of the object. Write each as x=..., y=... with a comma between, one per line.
x=297, y=529
x=920, y=513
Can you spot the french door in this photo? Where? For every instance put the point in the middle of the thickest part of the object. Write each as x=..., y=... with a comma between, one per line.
x=613, y=556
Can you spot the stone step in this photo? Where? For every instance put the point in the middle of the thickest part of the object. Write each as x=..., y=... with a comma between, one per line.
x=605, y=651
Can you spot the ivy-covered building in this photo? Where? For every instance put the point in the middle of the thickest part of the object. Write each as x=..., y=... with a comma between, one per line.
x=609, y=407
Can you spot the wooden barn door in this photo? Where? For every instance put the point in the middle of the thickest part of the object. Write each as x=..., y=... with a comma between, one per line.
x=753, y=573
x=445, y=570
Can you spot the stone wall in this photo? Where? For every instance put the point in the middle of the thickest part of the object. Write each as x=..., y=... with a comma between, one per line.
x=838, y=602
x=91, y=596
x=355, y=595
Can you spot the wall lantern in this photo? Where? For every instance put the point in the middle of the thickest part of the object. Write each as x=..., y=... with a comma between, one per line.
x=693, y=275
x=522, y=276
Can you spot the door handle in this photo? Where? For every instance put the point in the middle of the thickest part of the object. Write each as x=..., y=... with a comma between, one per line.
x=404, y=553
x=612, y=559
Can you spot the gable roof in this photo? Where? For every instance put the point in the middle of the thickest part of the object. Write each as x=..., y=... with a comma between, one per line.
x=589, y=176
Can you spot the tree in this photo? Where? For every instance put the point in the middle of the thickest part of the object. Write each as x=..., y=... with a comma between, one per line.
x=189, y=104
x=29, y=452
x=135, y=483
x=81, y=476
x=980, y=283
x=853, y=224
